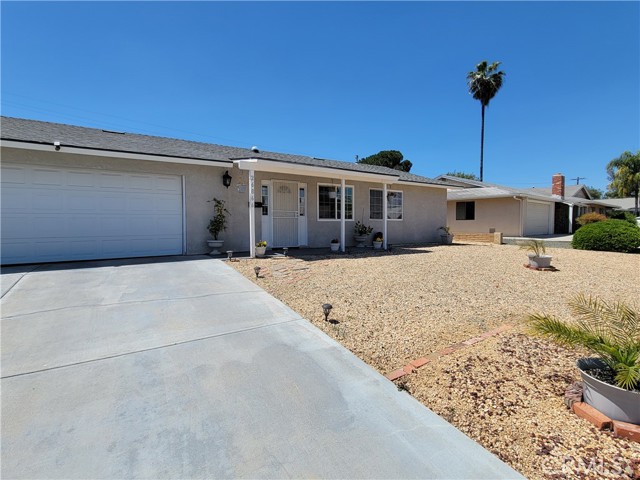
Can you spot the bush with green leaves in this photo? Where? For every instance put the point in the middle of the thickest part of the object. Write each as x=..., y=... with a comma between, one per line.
x=622, y=215
x=609, y=236
x=610, y=331
x=591, y=217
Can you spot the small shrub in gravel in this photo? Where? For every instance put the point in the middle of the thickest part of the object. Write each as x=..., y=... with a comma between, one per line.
x=609, y=236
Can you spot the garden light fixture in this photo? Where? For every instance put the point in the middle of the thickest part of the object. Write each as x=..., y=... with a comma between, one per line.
x=257, y=270
x=229, y=254
x=326, y=308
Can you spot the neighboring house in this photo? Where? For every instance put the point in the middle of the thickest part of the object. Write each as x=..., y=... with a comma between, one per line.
x=627, y=204
x=75, y=193
x=477, y=207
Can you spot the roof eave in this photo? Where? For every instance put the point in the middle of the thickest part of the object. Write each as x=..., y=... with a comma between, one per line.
x=80, y=150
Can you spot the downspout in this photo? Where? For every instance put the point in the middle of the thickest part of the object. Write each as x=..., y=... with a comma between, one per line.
x=252, y=215
x=384, y=215
x=520, y=220
x=343, y=201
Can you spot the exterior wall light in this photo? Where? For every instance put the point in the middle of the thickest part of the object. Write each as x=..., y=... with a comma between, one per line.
x=226, y=179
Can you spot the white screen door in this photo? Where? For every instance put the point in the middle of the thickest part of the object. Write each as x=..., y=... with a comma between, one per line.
x=285, y=214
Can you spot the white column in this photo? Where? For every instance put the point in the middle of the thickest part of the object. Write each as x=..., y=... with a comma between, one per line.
x=252, y=215
x=343, y=201
x=384, y=215
x=571, y=218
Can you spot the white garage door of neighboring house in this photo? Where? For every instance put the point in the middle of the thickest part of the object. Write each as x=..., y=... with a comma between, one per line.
x=56, y=214
x=537, y=222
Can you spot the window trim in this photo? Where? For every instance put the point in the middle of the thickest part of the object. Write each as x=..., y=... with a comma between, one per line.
x=353, y=202
x=381, y=190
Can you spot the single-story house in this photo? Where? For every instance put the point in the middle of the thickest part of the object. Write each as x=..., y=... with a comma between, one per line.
x=76, y=193
x=478, y=207
x=627, y=204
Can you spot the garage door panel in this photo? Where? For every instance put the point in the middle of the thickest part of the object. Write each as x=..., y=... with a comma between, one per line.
x=51, y=214
x=112, y=180
x=81, y=179
x=47, y=201
x=13, y=175
x=48, y=177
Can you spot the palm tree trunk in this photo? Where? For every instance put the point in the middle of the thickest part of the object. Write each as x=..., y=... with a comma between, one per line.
x=482, y=146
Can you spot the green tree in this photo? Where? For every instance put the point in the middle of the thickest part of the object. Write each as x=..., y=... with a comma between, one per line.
x=484, y=82
x=595, y=193
x=388, y=158
x=468, y=176
x=624, y=175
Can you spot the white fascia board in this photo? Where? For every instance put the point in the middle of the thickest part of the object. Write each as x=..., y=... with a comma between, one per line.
x=427, y=185
x=114, y=154
x=260, y=165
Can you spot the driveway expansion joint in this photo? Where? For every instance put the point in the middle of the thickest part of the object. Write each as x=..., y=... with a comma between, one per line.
x=157, y=347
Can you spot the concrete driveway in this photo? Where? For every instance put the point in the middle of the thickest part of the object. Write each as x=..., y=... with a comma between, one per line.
x=182, y=368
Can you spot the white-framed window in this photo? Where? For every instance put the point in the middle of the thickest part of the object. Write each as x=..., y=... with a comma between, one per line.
x=265, y=200
x=394, y=204
x=465, y=210
x=330, y=202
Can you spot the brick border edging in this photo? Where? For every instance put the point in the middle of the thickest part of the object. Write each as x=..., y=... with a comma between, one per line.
x=599, y=420
x=422, y=361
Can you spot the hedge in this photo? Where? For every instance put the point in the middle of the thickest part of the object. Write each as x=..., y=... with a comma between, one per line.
x=609, y=236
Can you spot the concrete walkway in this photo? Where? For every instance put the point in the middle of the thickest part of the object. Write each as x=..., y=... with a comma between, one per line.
x=182, y=368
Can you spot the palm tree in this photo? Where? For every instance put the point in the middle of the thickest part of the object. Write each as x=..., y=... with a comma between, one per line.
x=611, y=331
x=624, y=173
x=484, y=83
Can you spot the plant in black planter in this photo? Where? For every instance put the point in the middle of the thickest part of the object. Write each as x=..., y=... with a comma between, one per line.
x=612, y=333
x=217, y=224
x=446, y=237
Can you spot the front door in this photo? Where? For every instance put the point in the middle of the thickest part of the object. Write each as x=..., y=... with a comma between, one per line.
x=285, y=213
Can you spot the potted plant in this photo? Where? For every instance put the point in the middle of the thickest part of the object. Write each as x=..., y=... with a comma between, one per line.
x=611, y=381
x=446, y=237
x=217, y=224
x=361, y=232
x=335, y=245
x=537, y=253
x=261, y=248
x=377, y=241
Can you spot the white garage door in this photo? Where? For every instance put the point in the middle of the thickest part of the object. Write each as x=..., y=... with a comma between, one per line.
x=537, y=222
x=57, y=214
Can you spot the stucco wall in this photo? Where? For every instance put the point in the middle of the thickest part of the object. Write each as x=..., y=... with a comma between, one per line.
x=501, y=214
x=424, y=209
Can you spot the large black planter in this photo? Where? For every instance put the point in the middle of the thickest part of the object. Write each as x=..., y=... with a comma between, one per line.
x=615, y=402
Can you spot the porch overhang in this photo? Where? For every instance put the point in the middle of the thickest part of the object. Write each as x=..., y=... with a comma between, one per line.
x=272, y=166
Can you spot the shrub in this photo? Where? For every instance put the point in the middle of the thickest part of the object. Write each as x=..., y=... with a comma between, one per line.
x=611, y=331
x=622, y=215
x=592, y=217
x=609, y=236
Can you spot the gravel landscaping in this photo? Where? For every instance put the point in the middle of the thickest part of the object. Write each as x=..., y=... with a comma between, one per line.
x=505, y=392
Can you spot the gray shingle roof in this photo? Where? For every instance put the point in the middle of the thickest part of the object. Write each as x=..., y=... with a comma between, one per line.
x=34, y=131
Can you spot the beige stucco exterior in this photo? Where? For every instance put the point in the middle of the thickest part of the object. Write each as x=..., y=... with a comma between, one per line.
x=500, y=214
x=424, y=208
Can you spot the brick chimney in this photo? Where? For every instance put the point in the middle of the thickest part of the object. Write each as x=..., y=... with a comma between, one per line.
x=557, y=185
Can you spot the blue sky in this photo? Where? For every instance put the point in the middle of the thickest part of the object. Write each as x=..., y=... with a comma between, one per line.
x=339, y=79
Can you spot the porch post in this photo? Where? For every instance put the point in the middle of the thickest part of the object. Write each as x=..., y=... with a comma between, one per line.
x=571, y=218
x=343, y=201
x=252, y=215
x=384, y=215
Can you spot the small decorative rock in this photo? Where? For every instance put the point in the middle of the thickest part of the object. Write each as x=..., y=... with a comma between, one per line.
x=573, y=394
